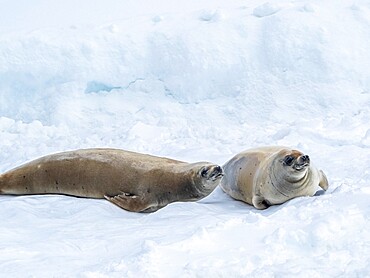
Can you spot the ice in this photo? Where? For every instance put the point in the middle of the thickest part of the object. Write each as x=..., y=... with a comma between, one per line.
x=194, y=81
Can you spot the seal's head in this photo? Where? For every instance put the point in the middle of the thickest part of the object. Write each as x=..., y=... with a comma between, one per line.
x=207, y=176
x=294, y=163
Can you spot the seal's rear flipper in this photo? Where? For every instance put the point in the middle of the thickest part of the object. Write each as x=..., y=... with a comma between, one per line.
x=319, y=193
x=129, y=202
x=324, y=184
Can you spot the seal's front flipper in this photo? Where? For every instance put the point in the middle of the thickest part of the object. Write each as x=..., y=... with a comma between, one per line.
x=260, y=203
x=324, y=184
x=129, y=202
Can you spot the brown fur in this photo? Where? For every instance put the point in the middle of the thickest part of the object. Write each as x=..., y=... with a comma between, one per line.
x=133, y=181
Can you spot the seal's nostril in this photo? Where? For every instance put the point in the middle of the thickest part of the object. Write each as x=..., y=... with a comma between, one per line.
x=305, y=158
x=218, y=169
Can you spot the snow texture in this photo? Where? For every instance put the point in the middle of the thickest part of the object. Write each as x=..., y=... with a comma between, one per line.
x=195, y=81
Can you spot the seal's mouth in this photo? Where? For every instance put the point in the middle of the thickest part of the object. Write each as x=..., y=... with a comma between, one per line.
x=217, y=176
x=300, y=167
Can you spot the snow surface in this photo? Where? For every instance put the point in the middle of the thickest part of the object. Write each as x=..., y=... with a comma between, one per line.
x=191, y=80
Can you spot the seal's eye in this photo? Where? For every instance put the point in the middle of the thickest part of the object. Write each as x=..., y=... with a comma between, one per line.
x=288, y=160
x=204, y=172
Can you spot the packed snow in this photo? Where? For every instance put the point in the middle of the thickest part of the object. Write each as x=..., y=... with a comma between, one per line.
x=195, y=81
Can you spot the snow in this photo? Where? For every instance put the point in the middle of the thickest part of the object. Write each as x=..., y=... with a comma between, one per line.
x=195, y=81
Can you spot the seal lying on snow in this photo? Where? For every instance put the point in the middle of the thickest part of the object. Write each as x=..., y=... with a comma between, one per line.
x=133, y=181
x=271, y=175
